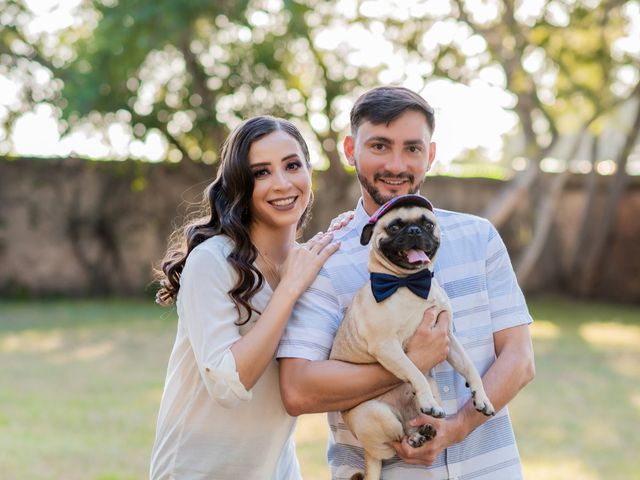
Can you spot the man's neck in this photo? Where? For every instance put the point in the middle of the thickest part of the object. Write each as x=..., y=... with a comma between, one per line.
x=370, y=206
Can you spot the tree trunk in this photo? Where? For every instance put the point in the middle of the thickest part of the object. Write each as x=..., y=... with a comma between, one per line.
x=586, y=220
x=501, y=207
x=545, y=216
x=595, y=259
x=542, y=227
x=336, y=186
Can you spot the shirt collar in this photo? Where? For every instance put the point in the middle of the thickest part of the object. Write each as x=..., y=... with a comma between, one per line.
x=361, y=217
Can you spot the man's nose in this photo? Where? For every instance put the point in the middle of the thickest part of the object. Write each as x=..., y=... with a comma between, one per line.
x=396, y=164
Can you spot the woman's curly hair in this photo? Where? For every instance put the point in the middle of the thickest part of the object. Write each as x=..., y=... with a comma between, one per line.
x=226, y=211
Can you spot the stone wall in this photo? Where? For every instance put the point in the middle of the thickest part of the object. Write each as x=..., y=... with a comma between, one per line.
x=75, y=227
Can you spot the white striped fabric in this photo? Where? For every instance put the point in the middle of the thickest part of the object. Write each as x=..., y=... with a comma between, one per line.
x=474, y=268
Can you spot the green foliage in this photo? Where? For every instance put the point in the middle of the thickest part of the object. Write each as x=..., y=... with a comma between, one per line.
x=192, y=70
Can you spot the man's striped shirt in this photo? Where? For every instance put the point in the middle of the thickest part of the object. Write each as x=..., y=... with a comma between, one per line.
x=473, y=267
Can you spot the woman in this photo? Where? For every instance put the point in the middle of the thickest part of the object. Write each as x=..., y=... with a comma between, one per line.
x=235, y=277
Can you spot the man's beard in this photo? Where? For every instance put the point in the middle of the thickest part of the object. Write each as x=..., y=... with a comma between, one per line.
x=375, y=194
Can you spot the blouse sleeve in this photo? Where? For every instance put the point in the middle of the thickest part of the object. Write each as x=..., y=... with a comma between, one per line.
x=209, y=315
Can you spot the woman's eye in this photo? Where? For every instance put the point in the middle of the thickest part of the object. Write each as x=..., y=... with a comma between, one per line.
x=260, y=173
x=294, y=166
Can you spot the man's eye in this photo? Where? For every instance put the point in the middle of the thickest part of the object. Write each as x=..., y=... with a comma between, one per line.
x=379, y=146
x=415, y=149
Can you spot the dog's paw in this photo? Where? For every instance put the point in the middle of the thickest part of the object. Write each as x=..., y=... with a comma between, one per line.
x=434, y=411
x=416, y=440
x=482, y=404
x=424, y=434
x=427, y=431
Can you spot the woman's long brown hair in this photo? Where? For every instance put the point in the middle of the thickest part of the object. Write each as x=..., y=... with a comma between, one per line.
x=226, y=211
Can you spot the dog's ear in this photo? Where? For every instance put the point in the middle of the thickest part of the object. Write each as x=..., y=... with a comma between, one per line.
x=367, y=231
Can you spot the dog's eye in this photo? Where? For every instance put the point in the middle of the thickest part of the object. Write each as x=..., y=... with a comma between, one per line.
x=429, y=226
x=393, y=228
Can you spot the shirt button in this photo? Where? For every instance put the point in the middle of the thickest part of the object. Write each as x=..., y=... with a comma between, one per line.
x=445, y=389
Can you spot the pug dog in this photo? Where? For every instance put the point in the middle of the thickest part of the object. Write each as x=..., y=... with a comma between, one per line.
x=384, y=314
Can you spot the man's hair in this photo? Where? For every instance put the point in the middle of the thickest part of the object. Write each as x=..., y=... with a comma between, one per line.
x=385, y=104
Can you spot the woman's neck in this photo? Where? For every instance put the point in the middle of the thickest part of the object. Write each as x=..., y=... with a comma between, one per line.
x=273, y=243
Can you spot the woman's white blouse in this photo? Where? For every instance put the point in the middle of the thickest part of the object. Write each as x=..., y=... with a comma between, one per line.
x=209, y=425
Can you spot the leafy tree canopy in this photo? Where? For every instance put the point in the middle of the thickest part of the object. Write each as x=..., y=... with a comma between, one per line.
x=191, y=70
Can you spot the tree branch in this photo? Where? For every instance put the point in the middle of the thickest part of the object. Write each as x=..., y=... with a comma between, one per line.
x=199, y=78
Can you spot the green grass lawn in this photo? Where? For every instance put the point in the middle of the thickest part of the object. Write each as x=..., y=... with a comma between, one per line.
x=80, y=383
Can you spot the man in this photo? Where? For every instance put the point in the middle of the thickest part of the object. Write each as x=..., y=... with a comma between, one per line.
x=390, y=146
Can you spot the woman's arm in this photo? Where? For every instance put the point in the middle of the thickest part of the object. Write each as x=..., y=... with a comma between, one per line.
x=255, y=349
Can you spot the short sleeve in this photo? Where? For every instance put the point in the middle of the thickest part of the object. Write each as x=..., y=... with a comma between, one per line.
x=209, y=316
x=506, y=301
x=314, y=322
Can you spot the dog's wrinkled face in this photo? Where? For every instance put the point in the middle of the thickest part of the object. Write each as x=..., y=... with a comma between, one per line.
x=408, y=237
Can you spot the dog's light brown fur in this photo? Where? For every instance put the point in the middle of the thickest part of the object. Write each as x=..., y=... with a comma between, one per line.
x=378, y=332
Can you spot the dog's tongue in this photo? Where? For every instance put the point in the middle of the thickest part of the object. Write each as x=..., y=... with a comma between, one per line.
x=415, y=256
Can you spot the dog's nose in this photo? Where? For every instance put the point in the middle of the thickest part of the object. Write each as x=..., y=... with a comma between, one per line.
x=414, y=231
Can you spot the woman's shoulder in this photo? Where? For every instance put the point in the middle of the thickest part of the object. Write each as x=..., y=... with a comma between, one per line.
x=213, y=251
x=219, y=245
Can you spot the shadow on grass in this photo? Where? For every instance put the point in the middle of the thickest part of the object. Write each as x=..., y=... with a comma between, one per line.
x=54, y=313
x=80, y=387
x=81, y=380
x=579, y=418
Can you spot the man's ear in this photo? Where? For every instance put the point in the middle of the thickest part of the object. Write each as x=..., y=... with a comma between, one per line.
x=367, y=231
x=349, y=146
x=432, y=155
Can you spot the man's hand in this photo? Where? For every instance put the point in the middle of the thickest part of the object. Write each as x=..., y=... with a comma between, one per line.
x=429, y=345
x=512, y=370
x=448, y=433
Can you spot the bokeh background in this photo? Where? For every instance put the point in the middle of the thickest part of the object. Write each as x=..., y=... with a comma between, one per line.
x=112, y=114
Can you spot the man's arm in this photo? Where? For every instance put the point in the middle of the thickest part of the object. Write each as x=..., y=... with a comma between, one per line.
x=513, y=369
x=309, y=386
x=331, y=385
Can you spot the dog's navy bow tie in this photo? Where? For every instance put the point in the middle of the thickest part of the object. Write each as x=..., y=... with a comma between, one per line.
x=384, y=285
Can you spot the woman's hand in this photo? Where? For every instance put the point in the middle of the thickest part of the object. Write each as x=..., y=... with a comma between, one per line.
x=341, y=221
x=304, y=262
x=254, y=350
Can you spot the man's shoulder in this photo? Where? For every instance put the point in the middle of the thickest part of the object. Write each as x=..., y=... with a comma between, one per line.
x=349, y=232
x=344, y=271
x=453, y=217
x=346, y=266
x=350, y=247
x=464, y=223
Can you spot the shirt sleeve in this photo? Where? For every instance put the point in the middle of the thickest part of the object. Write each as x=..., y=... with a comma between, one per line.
x=506, y=301
x=210, y=316
x=312, y=327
